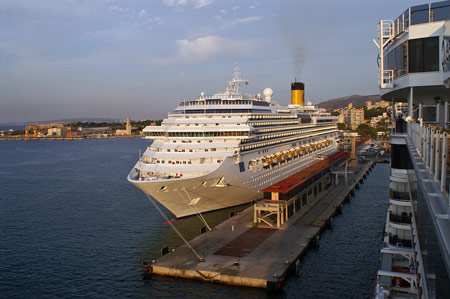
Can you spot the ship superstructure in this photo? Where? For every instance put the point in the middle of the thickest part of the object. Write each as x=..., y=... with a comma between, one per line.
x=414, y=69
x=219, y=151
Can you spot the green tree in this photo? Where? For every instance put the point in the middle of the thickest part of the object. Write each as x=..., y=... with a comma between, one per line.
x=366, y=131
x=341, y=126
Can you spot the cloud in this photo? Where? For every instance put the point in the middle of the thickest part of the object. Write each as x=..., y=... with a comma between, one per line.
x=203, y=49
x=193, y=3
x=142, y=13
x=246, y=20
x=199, y=49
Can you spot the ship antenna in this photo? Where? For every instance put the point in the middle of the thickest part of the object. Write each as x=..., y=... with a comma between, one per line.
x=237, y=79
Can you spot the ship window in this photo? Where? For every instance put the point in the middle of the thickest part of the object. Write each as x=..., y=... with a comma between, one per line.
x=184, y=162
x=190, y=150
x=163, y=187
x=203, y=183
x=168, y=150
x=423, y=54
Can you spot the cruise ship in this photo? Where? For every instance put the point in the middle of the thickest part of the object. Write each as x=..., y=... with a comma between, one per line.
x=220, y=151
x=414, y=69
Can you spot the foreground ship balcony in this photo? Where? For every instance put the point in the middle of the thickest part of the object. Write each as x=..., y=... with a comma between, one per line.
x=396, y=241
x=399, y=198
x=400, y=220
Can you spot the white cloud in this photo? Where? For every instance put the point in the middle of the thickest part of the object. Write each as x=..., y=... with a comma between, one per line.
x=194, y=3
x=246, y=20
x=142, y=13
x=199, y=49
x=204, y=49
x=240, y=21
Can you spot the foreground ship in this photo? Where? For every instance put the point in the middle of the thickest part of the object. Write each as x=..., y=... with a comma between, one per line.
x=414, y=68
x=219, y=151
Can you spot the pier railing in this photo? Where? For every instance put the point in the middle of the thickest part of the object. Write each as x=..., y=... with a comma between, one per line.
x=432, y=144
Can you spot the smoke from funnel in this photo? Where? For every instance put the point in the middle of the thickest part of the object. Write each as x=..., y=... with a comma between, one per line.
x=292, y=32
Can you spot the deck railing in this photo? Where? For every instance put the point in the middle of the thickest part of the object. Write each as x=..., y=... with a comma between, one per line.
x=433, y=146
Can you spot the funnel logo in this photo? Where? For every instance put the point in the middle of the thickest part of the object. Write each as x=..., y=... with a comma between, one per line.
x=445, y=53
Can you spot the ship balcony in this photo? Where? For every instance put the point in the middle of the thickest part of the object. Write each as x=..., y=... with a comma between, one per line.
x=404, y=219
x=399, y=198
x=395, y=241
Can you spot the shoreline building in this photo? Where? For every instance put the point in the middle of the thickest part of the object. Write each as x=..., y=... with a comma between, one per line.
x=414, y=68
x=354, y=117
x=126, y=131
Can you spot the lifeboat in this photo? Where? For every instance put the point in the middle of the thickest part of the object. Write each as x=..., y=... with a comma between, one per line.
x=297, y=151
x=267, y=160
x=291, y=153
x=276, y=158
x=283, y=155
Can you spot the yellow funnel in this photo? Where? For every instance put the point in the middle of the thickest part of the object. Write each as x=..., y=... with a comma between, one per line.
x=297, y=93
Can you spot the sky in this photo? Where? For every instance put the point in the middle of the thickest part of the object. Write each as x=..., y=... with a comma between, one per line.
x=62, y=59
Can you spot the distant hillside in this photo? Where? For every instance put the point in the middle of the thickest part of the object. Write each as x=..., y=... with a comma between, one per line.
x=357, y=101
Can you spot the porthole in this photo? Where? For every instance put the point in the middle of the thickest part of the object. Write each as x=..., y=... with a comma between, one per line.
x=203, y=183
x=163, y=187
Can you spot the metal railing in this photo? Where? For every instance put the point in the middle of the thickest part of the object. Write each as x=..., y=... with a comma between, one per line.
x=398, y=195
x=387, y=79
x=402, y=219
x=397, y=242
x=433, y=147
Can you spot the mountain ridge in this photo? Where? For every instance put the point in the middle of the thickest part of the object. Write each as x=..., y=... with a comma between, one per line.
x=356, y=100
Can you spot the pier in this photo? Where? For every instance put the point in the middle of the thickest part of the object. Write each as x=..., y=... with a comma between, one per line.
x=244, y=252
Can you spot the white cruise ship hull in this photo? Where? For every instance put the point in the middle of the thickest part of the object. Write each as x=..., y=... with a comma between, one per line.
x=188, y=196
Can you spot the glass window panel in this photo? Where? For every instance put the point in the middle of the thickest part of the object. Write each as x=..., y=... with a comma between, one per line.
x=431, y=54
x=440, y=13
x=419, y=16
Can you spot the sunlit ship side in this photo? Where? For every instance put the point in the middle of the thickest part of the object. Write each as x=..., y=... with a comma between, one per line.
x=219, y=151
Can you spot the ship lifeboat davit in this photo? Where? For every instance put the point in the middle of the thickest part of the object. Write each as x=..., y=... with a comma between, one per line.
x=267, y=160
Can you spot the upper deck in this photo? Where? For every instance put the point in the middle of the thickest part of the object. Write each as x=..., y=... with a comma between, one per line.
x=413, y=50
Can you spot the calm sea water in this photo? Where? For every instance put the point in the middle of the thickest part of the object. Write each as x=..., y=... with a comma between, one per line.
x=71, y=226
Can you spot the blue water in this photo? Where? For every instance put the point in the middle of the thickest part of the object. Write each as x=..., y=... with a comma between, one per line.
x=71, y=226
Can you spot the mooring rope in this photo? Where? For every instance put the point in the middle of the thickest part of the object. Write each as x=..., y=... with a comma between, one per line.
x=174, y=228
x=197, y=211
